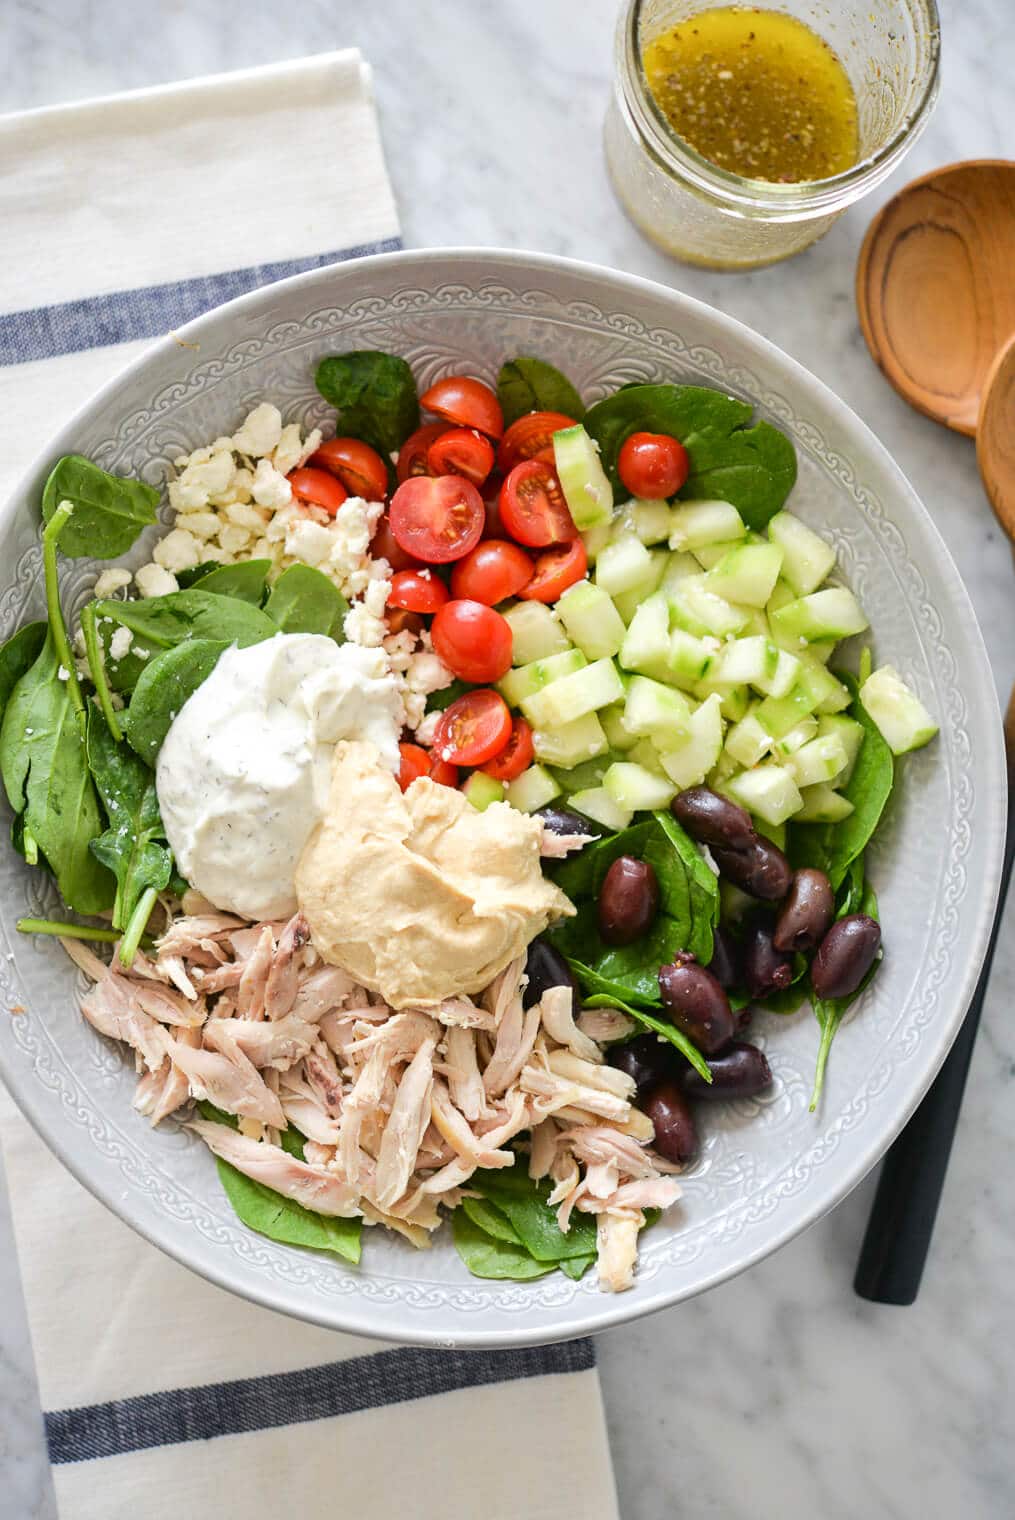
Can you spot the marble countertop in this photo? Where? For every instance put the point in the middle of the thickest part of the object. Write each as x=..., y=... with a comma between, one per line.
x=780, y=1394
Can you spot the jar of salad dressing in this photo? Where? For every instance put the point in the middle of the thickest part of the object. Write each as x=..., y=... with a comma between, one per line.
x=737, y=134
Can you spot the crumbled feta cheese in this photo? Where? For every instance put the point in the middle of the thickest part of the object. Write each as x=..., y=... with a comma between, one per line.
x=62, y=674
x=414, y=705
x=203, y=525
x=427, y=673
x=199, y=481
x=260, y=432
x=364, y=622
x=246, y=516
x=308, y=541
x=270, y=489
x=426, y=730
x=153, y=580
x=288, y=453
x=120, y=643
x=179, y=550
x=311, y=443
x=111, y=581
x=234, y=539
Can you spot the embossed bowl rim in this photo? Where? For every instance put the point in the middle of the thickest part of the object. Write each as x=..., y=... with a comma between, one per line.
x=793, y=1216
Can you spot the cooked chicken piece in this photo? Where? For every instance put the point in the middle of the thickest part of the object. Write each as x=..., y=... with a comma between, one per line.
x=280, y=1045
x=554, y=1093
x=195, y=904
x=112, y=1008
x=516, y=1035
x=406, y=1125
x=316, y=1188
x=462, y=1013
x=85, y=958
x=602, y=1178
x=230, y=1082
x=462, y=1068
x=606, y=1024
x=590, y=1074
x=324, y=1079
x=617, y=1241
x=174, y=970
x=557, y=1009
x=170, y=1007
x=556, y=846
x=542, y=1149
x=457, y=1132
x=187, y=933
x=318, y=1155
x=415, y=1234
x=160, y=1093
x=636, y=1124
x=647, y=1193
x=306, y=1115
x=400, y=1036
x=504, y=989
x=219, y=979
x=254, y=981
x=603, y=1143
x=321, y=990
x=284, y=976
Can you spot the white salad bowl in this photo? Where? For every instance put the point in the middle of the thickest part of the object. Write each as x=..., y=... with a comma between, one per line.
x=768, y=1167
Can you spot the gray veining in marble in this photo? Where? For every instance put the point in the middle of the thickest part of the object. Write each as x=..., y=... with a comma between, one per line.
x=781, y=1394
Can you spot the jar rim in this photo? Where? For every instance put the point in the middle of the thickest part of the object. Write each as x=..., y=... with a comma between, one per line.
x=768, y=198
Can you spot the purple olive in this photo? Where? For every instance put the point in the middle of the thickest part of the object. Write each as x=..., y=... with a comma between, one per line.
x=646, y=1058
x=845, y=956
x=765, y=968
x=741, y=1071
x=758, y=868
x=628, y=901
x=725, y=962
x=697, y=1004
x=807, y=912
x=545, y=967
x=712, y=819
x=675, y=1137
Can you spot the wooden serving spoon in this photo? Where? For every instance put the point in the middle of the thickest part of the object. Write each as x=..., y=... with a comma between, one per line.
x=935, y=286
x=995, y=436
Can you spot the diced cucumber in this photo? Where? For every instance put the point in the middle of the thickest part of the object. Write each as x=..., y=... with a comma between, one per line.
x=797, y=737
x=828, y=693
x=646, y=645
x=748, y=742
x=694, y=523
x=533, y=789
x=597, y=804
x=777, y=715
x=482, y=790
x=724, y=768
x=690, y=763
x=830, y=614
x=597, y=685
x=901, y=717
x=623, y=563
x=747, y=574
x=710, y=555
x=656, y=711
x=591, y=619
x=750, y=661
x=776, y=832
x=699, y=610
x=650, y=520
x=646, y=754
x=783, y=678
x=756, y=624
x=527, y=679
x=690, y=659
x=807, y=559
x=578, y=778
x=583, y=480
x=768, y=791
x=635, y=788
x=850, y=734
x=628, y=602
x=612, y=719
x=569, y=744
x=678, y=567
x=822, y=805
x=735, y=700
x=820, y=760
x=595, y=539
x=535, y=631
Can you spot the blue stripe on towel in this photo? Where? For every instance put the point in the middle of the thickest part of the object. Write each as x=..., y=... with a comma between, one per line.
x=123, y=316
x=292, y=1398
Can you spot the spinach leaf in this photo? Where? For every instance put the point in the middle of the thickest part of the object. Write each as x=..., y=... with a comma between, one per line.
x=486, y=1256
x=187, y=578
x=576, y=1266
x=18, y=656
x=524, y=1204
x=45, y=772
x=487, y=1216
x=134, y=846
x=164, y=685
x=109, y=511
x=829, y=1014
x=303, y=600
x=532, y=385
x=439, y=701
x=260, y=1208
x=245, y=580
x=608, y=999
x=752, y=467
x=374, y=395
x=162, y=622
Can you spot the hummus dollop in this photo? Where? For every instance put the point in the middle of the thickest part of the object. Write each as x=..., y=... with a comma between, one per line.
x=417, y=895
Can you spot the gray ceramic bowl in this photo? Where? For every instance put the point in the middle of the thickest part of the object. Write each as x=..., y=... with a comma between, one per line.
x=768, y=1167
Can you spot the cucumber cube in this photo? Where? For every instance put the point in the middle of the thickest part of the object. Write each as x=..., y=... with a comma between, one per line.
x=623, y=563
x=735, y=700
x=656, y=711
x=901, y=717
x=747, y=574
x=695, y=523
x=850, y=734
x=569, y=744
x=777, y=715
x=577, y=778
x=591, y=619
x=597, y=804
x=747, y=742
x=612, y=719
x=650, y=520
x=678, y=568
x=646, y=646
x=595, y=539
x=710, y=555
x=646, y=754
x=533, y=789
x=535, y=632
x=750, y=661
x=637, y=789
x=628, y=602
x=829, y=695
x=830, y=614
x=806, y=558
x=690, y=659
x=769, y=791
x=527, y=679
x=586, y=489
x=597, y=685
x=822, y=805
x=818, y=761
x=482, y=790
x=783, y=678
x=698, y=610
x=797, y=737
x=690, y=762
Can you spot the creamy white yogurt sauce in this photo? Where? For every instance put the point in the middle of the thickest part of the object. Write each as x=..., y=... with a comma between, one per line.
x=242, y=776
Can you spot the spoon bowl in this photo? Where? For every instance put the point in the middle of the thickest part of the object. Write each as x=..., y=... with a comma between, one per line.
x=995, y=441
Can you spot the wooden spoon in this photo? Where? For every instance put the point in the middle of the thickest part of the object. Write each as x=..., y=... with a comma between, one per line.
x=995, y=437
x=935, y=286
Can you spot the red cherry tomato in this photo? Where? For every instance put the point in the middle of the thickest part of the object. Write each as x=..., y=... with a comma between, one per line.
x=556, y=569
x=359, y=467
x=531, y=437
x=318, y=489
x=493, y=571
x=417, y=591
x=516, y=756
x=415, y=762
x=474, y=642
x=437, y=520
x=398, y=620
x=532, y=506
x=473, y=729
x=384, y=545
x=412, y=454
x=441, y=772
x=653, y=465
x=460, y=451
x=465, y=402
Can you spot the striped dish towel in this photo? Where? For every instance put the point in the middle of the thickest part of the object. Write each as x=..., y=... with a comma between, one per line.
x=122, y=219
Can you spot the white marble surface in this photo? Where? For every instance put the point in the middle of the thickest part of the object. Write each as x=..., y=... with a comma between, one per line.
x=780, y=1394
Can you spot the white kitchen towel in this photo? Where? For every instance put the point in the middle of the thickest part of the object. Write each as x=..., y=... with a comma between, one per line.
x=122, y=219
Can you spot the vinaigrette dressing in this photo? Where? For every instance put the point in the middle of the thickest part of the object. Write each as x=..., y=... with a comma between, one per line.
x=755, y=92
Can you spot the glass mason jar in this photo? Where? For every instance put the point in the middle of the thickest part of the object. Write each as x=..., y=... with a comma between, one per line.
x=708, y=216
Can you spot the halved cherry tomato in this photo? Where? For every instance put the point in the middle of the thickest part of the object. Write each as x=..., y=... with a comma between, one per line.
x=384, y=545
x=653, y=465
x=441, y=772
x=467, y=403
x=494, y=570
x=515, y=757
x=474, y=642
x=461, y=451
x=556, y=569
x=531, y=437
x=412, y=454
x=437, y=520
x=473, y=729
x=415, y=762
x=359, y=467
x=417, y=591
x=318, y=489
x=398, y=620
x=532, y=506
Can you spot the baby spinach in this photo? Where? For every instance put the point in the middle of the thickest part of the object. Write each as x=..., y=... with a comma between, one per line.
x=487, y=1216
x=44, y=765
x=487, y=1256
x=110, y=512
x=523, y=1203
x=439, y=701
x=532, y=385
x=162, y=622
x=374, y=395
x=18, y=656
x=163, y=686
x=602, y=998
x=245, y=580
x=752, y=467
x=303, y=600
x=830, y=1013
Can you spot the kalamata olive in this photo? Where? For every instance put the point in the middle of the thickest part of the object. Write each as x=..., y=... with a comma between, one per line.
x=758, y=868
x=646, y=1058
x=545, y=968
x=740, y=1072
x=807, y=912
x=696, y=1003
x=845, y=956
x=712, y=819
x=666, y=1106
x=628, y=900
x=559, y=820
x=725, y=962
x=765, y=968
